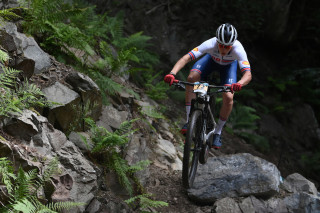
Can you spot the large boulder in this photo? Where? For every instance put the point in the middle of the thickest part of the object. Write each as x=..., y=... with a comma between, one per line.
x=234, y=176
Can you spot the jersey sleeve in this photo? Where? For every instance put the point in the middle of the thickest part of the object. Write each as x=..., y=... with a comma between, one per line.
x=242, y=58
x=201, y=49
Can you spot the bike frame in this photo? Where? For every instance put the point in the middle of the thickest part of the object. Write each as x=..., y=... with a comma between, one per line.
x=197, y=143
x=202, y=102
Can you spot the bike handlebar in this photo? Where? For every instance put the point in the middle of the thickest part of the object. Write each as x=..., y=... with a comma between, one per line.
x=222, y=88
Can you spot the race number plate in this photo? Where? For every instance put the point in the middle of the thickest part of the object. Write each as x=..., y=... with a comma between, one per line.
x=200, y=87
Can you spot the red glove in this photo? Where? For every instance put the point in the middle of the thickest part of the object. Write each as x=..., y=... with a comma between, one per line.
x=235, y=87
x=169, y=79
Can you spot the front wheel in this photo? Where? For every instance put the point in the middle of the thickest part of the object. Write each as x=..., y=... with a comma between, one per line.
x=192, y=149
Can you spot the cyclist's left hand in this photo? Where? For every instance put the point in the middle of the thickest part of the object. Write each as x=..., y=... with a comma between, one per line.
x=235, y=87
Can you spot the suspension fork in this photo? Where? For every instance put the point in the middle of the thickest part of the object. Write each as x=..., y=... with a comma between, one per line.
x=210, y=114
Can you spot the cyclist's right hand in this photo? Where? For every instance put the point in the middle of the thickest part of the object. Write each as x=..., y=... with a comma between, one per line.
x=169, y=79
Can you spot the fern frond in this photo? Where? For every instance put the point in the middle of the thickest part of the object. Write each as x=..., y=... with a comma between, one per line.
x=145, y=201
x=125, y=128
x=141, y=165
x=120, y=166
x=3, y=56
x=59, y=206
x=7, y=78
x=6, y=174
x=152, y=112
x=25, y=206
x=24, y=184
x=7, y=14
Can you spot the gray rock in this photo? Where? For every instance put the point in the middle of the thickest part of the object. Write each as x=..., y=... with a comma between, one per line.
x=83, y=174
x=22, y=126
x=226, y=205
x=63, y=116
x=234, y=176
x=138, y=150
x=88, y=91
x=297, y=183
x=111, y=117
x=247, y=206
x=302, y=202
x=29, y=48
x=76, y=138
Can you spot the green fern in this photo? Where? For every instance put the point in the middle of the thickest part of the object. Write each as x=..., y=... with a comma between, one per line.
x=3, y=56
x=8, y=14
x=144, y=202
x=109, y=144
x=155, y=89
x=23, y=189
x=6, y=174
x=7, y=78
x=13, y=97
x=152, y=112
x=39, y=12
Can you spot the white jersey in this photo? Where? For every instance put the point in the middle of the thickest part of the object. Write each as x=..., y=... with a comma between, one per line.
x=210, y=46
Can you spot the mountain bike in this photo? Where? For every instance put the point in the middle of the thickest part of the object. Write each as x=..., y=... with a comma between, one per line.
x=201, y=127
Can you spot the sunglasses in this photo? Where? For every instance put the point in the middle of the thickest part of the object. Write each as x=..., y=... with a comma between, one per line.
x=224, y=46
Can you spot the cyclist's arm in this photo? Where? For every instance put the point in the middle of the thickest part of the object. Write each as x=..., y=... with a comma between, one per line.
x=246, y=78
x=180, y=64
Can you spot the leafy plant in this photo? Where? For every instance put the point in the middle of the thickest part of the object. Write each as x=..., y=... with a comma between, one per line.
x=152, y=112
x=14, y=98
x=109, y=144
x=8, y=14
x=23, y=189
x=155, y=89
x=144, y=202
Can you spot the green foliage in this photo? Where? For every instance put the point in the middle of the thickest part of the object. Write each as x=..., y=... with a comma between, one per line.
x=109, y=144
x=155, y=89
x=243, y=118
x=281, y=84
x=309, y=91
x=144, y=202
x=152, y=112
x=23, y=189
x=115, y=63
x=63, y=37
x=8, y=14
x=3, y=56
x=14, y=98
x=311, y=162
x=107, y=85
x=6, y=174
x=243, y=122
x=40, y=12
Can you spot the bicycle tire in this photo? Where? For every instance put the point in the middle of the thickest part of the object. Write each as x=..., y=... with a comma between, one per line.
x=191, y=149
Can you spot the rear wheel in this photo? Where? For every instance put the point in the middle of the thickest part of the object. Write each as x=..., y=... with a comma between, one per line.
x=192, y=149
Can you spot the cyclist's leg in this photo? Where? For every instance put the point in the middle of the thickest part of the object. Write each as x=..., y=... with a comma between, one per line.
x=199, y=71
x=228, y=75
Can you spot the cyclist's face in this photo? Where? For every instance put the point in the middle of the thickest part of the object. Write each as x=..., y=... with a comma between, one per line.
x=223, y=49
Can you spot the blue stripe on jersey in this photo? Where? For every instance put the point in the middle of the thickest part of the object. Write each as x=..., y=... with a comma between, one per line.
x=244, y=69
x=193, y=57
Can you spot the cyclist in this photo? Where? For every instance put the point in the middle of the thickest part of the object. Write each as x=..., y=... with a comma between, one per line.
x=220, y=53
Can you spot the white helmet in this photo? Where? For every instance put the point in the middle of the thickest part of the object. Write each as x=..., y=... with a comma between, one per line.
x=226, y=34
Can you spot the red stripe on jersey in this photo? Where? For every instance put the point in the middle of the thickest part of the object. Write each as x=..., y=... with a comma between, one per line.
x=245, y=69
x=196, y=70
x=193, y=57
